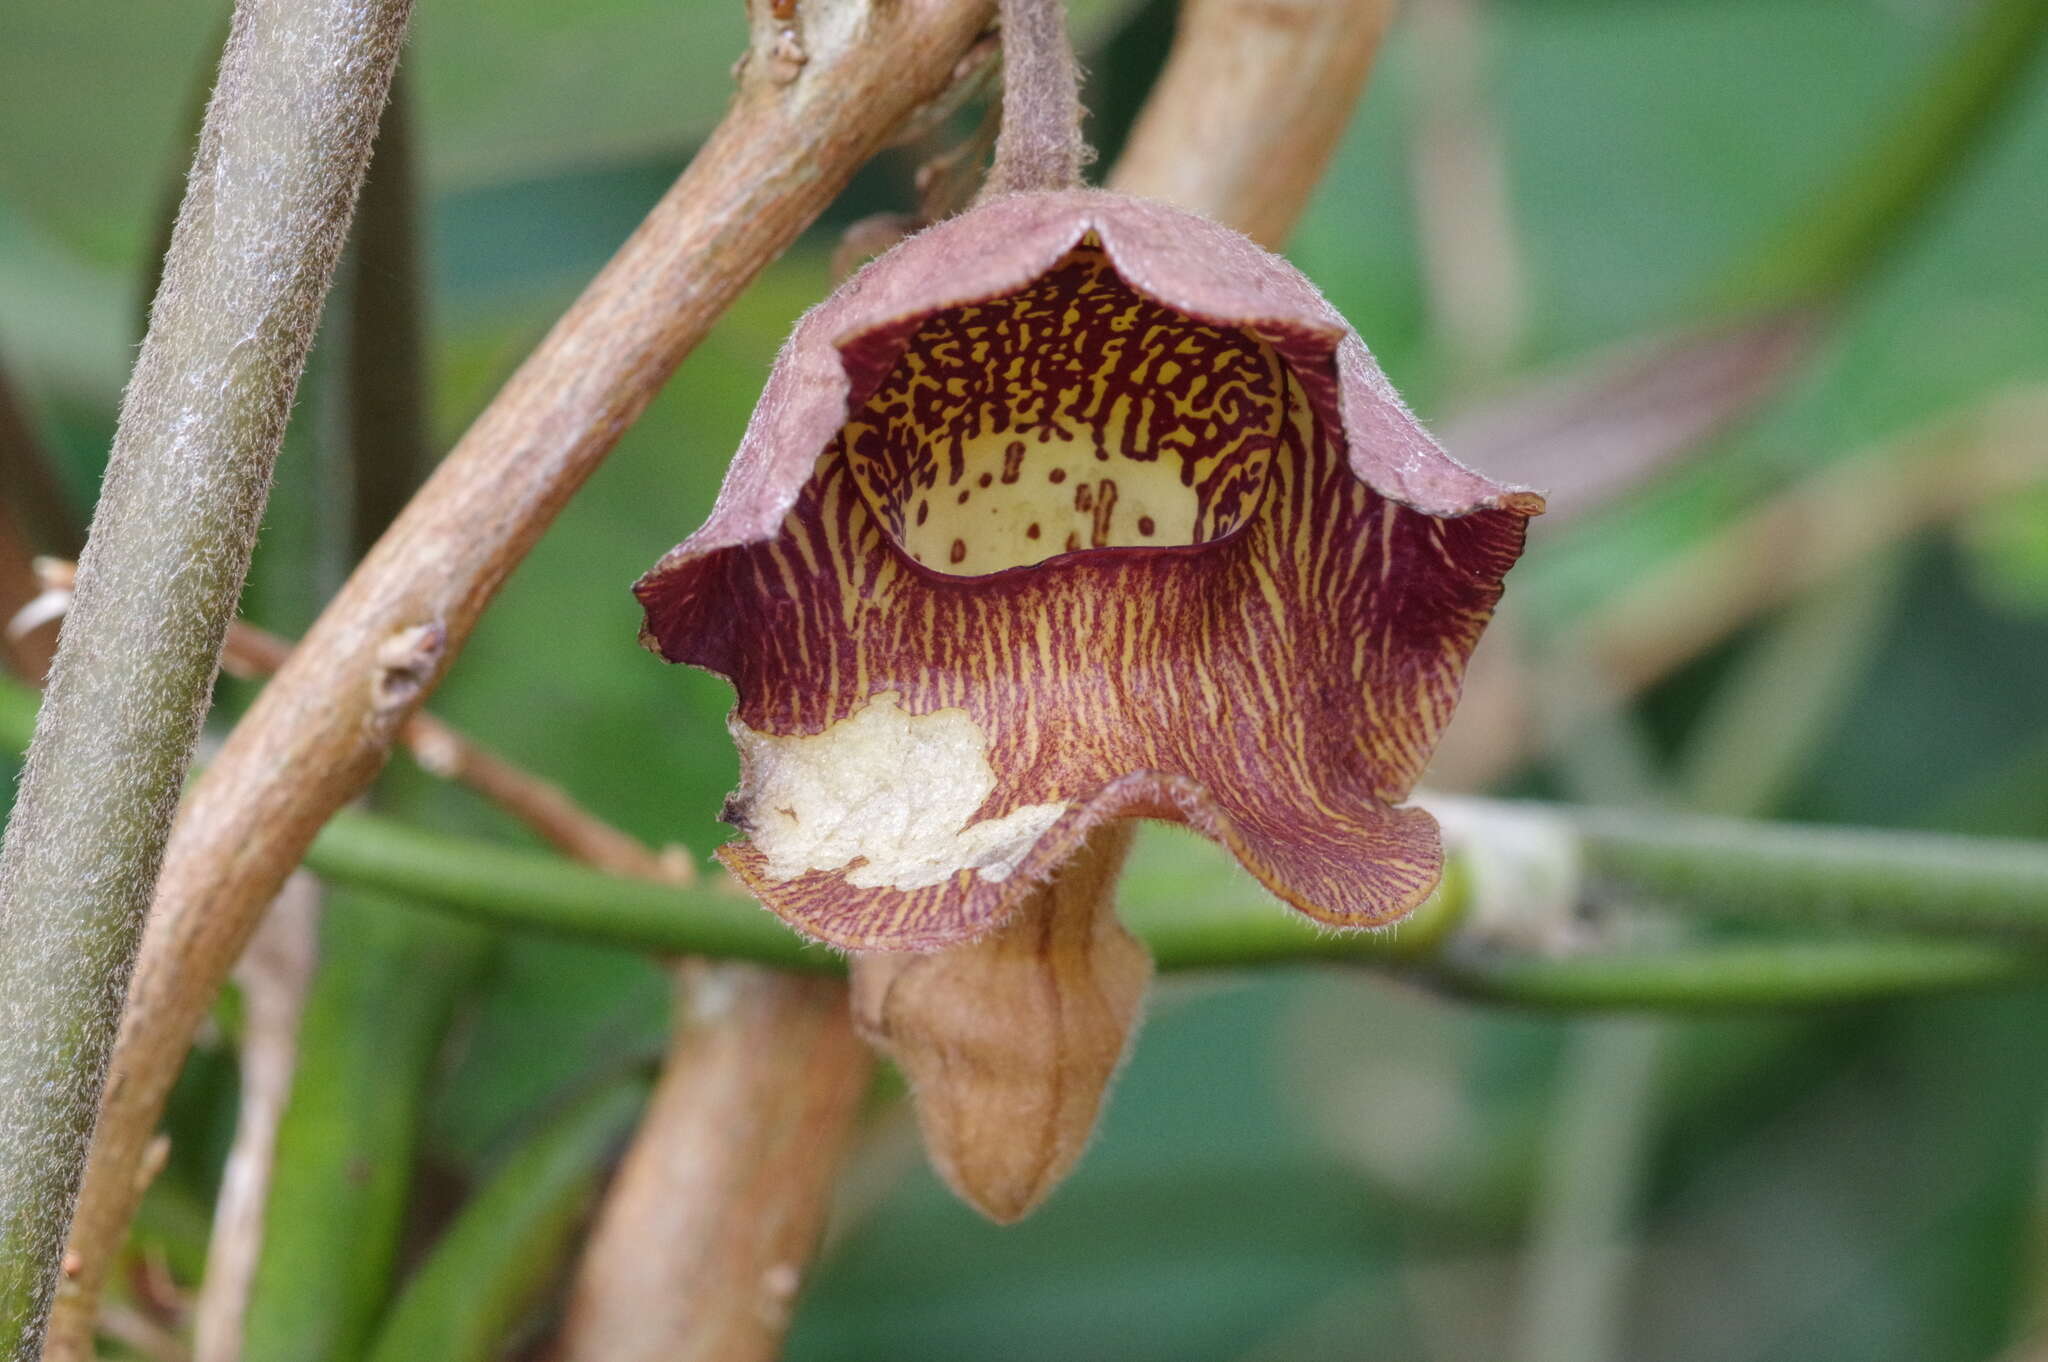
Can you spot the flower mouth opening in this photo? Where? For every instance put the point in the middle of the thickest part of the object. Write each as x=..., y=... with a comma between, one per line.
x=1144, y=537
x=1073, y=415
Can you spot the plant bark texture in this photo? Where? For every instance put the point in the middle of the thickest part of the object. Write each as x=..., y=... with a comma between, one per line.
x=709, y=1229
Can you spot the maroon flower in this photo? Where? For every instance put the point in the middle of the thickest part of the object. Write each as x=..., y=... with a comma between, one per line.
x=1077, y=508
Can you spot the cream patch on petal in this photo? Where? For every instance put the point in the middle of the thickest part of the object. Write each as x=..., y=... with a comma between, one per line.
x=894, y=790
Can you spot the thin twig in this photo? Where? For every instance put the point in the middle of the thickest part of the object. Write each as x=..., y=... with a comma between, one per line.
x=441, y=749
x=818, y=94
x=1599, y=427
x=28, y=634
x=1293, y=70
x=1809, y=534
x=446, y=751
x=274, y=974
x=286, y=141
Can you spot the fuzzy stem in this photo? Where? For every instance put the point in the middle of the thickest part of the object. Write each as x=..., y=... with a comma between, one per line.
x=1040, y=147
x=321, y=730
x=1199, y=920
x=282, y=155
x=1229, y=927
x=1194, y=917
x=1851, y=877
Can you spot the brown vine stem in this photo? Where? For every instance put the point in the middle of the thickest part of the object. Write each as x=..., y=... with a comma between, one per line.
x=818, y=93
x=281, y=157
x=28, y=643
x=707, y=1233
x=1250, y=108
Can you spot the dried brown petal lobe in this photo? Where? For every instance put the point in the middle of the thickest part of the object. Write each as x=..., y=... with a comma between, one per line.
x=1010, y=1043
x=1079, y=508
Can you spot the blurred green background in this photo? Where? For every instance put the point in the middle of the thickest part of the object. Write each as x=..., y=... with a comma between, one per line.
x=1302, y=1164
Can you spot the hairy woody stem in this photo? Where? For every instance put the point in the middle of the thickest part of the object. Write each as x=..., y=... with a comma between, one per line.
x=285, y=144
x=1040, y=145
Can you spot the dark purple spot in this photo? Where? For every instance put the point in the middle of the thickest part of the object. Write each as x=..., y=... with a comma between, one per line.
x=1058, y=475
x=959, y=549
x=1032, y=531
x=1145, y=525
x=987, y=478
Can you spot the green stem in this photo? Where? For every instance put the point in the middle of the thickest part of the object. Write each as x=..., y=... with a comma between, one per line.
x=512, y=1239
x=1577, y=1265
x=374, y=1031
x=1813, y=875
x=1211, y=921
x=1739, y=976
x=1853, y=222
x=541, y=891
x=285, y=144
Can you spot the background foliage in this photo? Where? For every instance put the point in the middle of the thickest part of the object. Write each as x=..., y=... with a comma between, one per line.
x=1303, y=1164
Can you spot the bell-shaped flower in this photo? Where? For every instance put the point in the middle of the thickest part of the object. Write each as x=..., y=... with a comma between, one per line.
x=1080, y=508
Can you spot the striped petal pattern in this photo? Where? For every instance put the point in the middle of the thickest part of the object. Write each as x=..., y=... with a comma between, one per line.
x=1080, y=508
